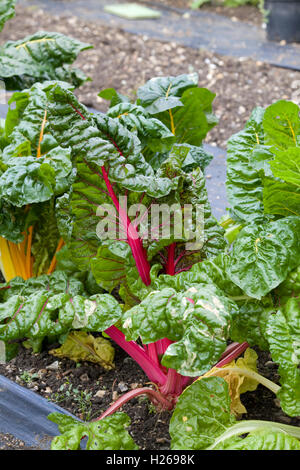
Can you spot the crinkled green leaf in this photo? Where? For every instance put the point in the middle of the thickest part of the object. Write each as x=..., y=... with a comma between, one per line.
x=283, y=334
x=290, y=287
x=26, y=121
x=151, y=132
x=198, y=320
x=39, y=57
x=263, y=255
x=192, y=156
x=109, y=266
x=243, y=181
x=28, y=181
x=251, y=322
x=210, y=271
x=202, y=421
x=108, y=434
x=202, y=413
x=265, y=439
x=52, y=306
x=13, y=222
x=128, y=167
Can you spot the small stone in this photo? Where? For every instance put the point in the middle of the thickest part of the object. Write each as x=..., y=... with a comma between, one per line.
x=84, y=377
x=48, y=390
x=123, y=387
x=277, y=402
x=115, y=396
x=100, y=394
x=53, y=366
x=270, y=364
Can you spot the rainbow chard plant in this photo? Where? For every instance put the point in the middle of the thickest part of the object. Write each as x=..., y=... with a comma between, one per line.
x=84, y=166
x=136, y=252
x=113, y=173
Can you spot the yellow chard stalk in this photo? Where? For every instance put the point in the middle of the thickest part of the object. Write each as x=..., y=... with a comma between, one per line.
x=241, y=376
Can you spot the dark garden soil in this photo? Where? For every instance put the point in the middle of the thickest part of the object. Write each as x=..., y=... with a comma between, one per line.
x=125, y=61
x=86, y=390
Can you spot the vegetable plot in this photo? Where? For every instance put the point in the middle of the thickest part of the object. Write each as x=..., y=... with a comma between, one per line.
x=89, y=244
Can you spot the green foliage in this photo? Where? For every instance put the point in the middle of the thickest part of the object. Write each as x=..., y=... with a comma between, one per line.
x=39, y=57
x=107, y=434
x=202, y=420
x=7, y=11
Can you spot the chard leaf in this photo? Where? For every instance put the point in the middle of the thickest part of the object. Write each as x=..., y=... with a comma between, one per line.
x=7, y=11
x=27, y=123
x=286, y=166
x=264, y=439
x=283, y=334
x=202, y=414
x=198, y=320
x=13, y=221
x=239, y=377
x=263, y=256
x=40, y=57
x=163, y=93
x=191, y=122
x=191, y=156
x=128, y=167
x=251, y=323
x=109, y=266
x=280, y=198
x=108, y=434
x=151, y=132
x=281, y=124
x=45, y=237
x=243, y=181
x=27, y=181
x=81, y=346
x=202, y=421
x=49, y=306
x=98, y=144
x=210, y=271
x=290, y=287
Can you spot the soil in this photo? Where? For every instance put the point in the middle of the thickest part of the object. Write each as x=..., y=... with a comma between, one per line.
x=124, y=61
x=86, y=390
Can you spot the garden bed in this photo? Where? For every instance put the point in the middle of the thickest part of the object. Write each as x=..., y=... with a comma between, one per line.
x=85, y=389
